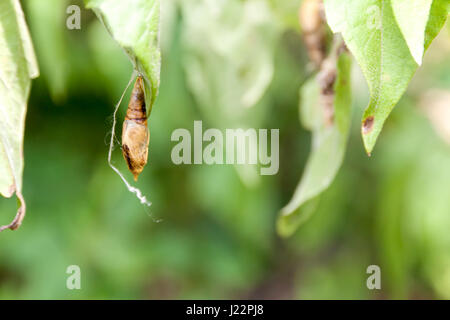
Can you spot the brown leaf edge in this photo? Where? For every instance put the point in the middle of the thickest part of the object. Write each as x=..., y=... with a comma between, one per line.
x=19, y=215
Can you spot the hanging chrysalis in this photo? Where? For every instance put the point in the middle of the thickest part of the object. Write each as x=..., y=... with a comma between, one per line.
x=135, y=134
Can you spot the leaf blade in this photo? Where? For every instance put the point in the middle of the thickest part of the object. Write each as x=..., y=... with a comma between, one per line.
x=418, y=12
x=371, y=33
x=18, y=67
x=328, y=147
x=134, y=24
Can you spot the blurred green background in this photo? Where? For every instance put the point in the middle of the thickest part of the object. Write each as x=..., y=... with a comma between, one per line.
x=217, y=236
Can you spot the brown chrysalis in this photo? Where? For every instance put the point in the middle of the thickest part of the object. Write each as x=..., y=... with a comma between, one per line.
x=135, y=134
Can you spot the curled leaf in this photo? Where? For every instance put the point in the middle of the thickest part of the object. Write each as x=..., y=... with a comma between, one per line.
x=18, y=67
x=418, y=12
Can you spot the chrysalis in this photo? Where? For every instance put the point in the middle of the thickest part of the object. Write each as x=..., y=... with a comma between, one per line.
x=135, y=135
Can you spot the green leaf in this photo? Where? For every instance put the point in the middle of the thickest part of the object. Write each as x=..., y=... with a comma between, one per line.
x=228, y=56
x=134, y=24
x=52, y=43
x=286, y=13
x=372, y=34
x=412, y=17
x=328, y=146
x=18, y=66
x=229, y=63
x=439, y=11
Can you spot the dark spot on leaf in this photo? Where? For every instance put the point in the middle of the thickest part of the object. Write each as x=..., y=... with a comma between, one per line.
x=368, y=125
